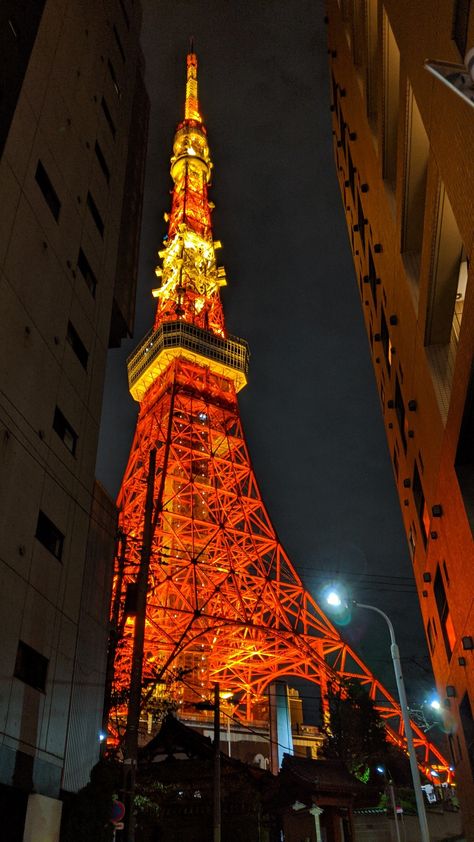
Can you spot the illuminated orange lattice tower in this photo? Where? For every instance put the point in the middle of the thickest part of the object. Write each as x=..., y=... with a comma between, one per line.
x=224, y=603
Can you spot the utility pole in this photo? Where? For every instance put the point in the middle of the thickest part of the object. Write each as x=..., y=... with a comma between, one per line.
x=217, y=765
x=116, y=630
x=134, y=703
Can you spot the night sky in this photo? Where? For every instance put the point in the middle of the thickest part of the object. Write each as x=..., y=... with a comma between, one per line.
x=310, y=410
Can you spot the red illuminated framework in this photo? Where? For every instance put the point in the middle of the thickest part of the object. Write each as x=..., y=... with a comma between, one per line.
x=224, y=603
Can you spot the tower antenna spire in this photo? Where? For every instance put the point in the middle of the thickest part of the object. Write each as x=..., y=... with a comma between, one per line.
x=191, y=107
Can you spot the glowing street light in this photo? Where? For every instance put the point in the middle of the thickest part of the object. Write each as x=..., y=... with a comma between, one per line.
x=335, y=601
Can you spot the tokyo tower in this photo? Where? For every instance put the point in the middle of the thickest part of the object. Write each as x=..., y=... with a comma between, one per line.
x=223, y=601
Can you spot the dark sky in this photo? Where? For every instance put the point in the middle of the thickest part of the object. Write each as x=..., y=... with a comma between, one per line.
x=311, y=411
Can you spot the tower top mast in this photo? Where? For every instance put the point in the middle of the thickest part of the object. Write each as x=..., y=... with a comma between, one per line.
x=189, y=319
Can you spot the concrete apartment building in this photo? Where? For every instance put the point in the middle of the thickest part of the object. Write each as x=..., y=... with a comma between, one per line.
x=73, y=128
x=403, y=145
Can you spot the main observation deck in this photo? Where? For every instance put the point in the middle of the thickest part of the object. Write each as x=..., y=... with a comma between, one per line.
x=226, y=357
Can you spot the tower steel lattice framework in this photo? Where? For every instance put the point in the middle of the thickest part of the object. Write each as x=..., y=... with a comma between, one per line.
x=224, y=603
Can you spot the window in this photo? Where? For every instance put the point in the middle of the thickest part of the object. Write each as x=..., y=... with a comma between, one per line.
x=420, y=504
x=448, y=277
x=31, y=667
x=464, y=462
x=385, y=339
x=396, y=466
x=372, y=74
x=85, y=269
x=400, y=410
x=103, y=163
x=108, y=117
x=430, y=635
x=352, y=171
x=13, y=28
x=119, y=43
x=49, y=535
x=94, y=212
x=446, y=574
x=467, y=722
x=460, y=24
x=64, y=430
x=125, y=15
x=113, y=76
x=373, y=281
x=391, y=70
x=445, y=619
x=361, y=221
x=77, y=345
x=416, y=169
x=48, y=191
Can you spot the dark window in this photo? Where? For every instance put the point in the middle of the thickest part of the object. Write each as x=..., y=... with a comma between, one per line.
x=48, y=191
x=400, y=410
x=361, y=223
x=395, y=463
x=445, y=618
x=108, y=117
x=352, y=172
x=30, y=666
x=113, y=76
x=103, y=163
x=19, y=21
x=64, y=430
x=119, y=43
x=13, y=28
x=125, y=15
x=430, y=635
x=420, y=504
x=334, y=90
x=94, y=211
x=460, y=24
x=465, y=714
x=464, y=463
x=49, y=535
x=77, y=345
x=85, y=269
x=372, y=275
x=384, y=336
x=446, y=575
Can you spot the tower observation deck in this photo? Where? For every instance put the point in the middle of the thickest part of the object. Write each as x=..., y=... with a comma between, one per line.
x=223, y=600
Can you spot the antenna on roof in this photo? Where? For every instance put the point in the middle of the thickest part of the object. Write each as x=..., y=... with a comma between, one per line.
x=191, y=43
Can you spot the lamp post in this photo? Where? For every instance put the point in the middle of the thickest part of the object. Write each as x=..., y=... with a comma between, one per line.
x=389, y=782
x=334, y=599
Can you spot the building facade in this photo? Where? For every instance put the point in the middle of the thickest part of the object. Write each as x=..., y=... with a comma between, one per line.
x=403, y=151
x=73, y=127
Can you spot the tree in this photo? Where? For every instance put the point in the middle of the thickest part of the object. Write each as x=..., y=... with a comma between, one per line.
x=354, y=731
x=88, y=813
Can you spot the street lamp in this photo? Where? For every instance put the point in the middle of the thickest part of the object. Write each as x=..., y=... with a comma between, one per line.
x=333, y=599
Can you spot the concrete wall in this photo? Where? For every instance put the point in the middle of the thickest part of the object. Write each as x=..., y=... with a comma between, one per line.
x=75, y=60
